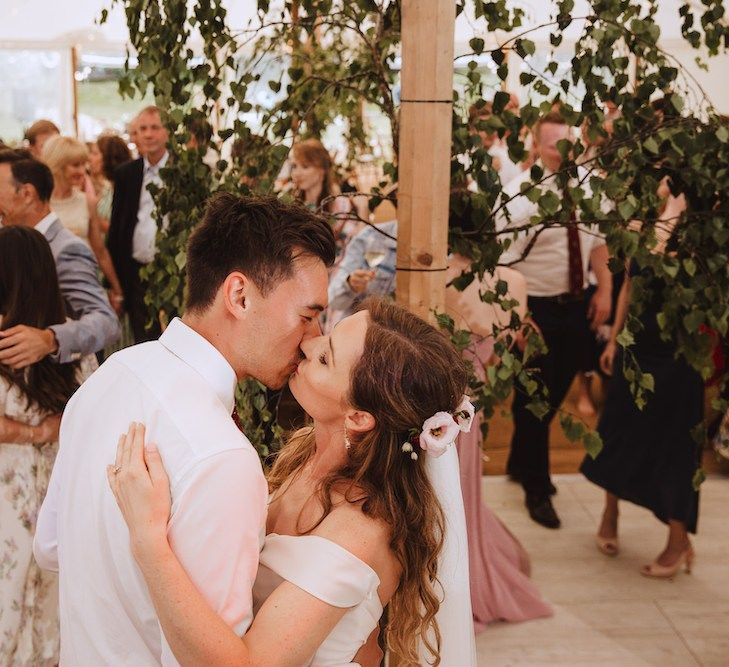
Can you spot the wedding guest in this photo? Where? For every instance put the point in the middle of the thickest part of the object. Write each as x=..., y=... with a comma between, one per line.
x=496, y=147
x=31, y=402
x=113, y=152
x=554, y=261
x=312, y=174
x=133, y=228
x=25, y=191
x=76, y=209
x=367, y=269
x=37, y=135
x=499, y=566
x=95, y=169
x=649, y=455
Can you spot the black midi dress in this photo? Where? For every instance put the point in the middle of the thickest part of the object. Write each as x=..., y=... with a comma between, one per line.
x=649, y=456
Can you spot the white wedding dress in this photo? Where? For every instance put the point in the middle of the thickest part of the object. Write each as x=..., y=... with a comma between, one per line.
x=329, y=572
x=334, y=575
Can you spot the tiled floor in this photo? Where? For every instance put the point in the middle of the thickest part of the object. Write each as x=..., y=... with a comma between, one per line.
x=606, y=613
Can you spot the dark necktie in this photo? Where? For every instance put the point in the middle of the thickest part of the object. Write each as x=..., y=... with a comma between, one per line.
x=236, y=419
x=576, y=270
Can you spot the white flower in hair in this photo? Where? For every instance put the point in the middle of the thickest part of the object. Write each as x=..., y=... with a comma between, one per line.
x=439, y=432
x=464, y=415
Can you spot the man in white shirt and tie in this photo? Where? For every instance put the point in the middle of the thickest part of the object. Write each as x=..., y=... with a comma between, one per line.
x=132, y=226
x=555, y=262
x=256, y=282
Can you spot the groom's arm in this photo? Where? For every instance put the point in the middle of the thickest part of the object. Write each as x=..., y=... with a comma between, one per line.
x=45, y=539
x=217, y=525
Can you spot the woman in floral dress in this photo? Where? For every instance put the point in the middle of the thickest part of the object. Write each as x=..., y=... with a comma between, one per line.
x=31, y=401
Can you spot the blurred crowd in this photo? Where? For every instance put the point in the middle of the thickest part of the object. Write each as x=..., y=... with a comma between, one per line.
x=79, y=223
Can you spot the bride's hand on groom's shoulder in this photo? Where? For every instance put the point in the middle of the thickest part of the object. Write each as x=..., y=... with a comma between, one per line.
x=142, y=491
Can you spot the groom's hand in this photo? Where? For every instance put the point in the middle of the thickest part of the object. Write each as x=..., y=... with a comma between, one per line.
x=370, y=655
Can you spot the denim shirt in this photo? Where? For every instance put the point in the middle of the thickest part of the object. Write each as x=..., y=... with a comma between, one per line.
x=342, y=299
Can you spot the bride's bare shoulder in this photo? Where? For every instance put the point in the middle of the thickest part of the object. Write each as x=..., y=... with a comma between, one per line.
x=364, y=536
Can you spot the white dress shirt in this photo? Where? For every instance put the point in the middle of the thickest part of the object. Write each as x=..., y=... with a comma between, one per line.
x=145, y=231
x=546, y=266
x=182, y=388
x=44, y=223
x=508, y=170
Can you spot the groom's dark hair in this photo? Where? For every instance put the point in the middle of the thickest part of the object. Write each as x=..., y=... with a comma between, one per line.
x=259, y=236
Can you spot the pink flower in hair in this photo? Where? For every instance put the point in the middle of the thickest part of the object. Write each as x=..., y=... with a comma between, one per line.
x=464, y=415
x=439, y=432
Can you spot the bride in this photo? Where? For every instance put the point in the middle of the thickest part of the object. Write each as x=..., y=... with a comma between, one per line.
x=356, y=517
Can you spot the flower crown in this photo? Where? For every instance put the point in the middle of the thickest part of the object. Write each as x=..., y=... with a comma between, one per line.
x=440, y=431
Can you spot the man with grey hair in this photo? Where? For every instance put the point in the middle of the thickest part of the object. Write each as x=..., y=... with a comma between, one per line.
x=132, y=227
x=25, y=191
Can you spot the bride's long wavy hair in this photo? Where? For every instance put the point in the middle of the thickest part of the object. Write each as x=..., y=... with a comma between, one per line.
x=408, y=371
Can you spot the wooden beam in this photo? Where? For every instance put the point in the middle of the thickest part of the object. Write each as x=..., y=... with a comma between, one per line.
x=425, y=150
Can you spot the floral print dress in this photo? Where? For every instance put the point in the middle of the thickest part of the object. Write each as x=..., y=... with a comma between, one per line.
x=29, y=633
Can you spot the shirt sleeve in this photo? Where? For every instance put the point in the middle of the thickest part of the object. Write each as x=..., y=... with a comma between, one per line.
x=217, y=529
x=95, y=325
x=341, y=295
x=45, y=540
x=520, y=211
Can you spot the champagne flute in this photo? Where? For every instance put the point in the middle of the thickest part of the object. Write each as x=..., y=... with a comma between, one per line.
x=374, y=257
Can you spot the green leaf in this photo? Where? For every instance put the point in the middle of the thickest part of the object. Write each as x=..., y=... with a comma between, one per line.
x=626, y=208
x=181, y=260
x=463, y=281
x=625, y=338
x=689, y=266
x=549, y=202
x=501, y=99
x=651, y=145
x=593, y=443
x=538, y=408
x=476, y=44
x=573, y=429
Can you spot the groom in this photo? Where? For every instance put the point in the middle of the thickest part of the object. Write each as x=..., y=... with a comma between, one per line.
x=256, y=282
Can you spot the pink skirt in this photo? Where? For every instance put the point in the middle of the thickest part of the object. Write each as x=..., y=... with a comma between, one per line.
x=501, y=589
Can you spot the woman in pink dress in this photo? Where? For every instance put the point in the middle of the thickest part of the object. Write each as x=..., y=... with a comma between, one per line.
x=501, y=589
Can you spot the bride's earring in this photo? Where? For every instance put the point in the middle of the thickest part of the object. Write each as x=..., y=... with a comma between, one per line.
x=347, y=443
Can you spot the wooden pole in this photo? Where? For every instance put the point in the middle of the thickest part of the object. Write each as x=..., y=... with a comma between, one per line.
x=425, y=149
x=424, y=157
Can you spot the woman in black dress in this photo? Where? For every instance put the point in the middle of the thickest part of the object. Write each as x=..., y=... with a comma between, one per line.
x=649, y=456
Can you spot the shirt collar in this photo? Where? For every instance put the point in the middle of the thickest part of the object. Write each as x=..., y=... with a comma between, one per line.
x=203, y=357
x=156, y=167
x=44, y=224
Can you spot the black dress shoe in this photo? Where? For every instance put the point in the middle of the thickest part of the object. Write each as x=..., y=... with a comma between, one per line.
x=516, y=477
x=541, y=510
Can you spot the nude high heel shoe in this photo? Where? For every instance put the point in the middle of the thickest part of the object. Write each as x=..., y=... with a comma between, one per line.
x=669, y=571
x=607, y=545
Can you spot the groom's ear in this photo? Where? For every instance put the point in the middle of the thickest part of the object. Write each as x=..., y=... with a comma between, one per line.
x=359, y=421
x=236, y=292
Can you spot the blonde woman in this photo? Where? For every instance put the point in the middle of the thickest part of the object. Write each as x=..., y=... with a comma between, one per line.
x=76, y=209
